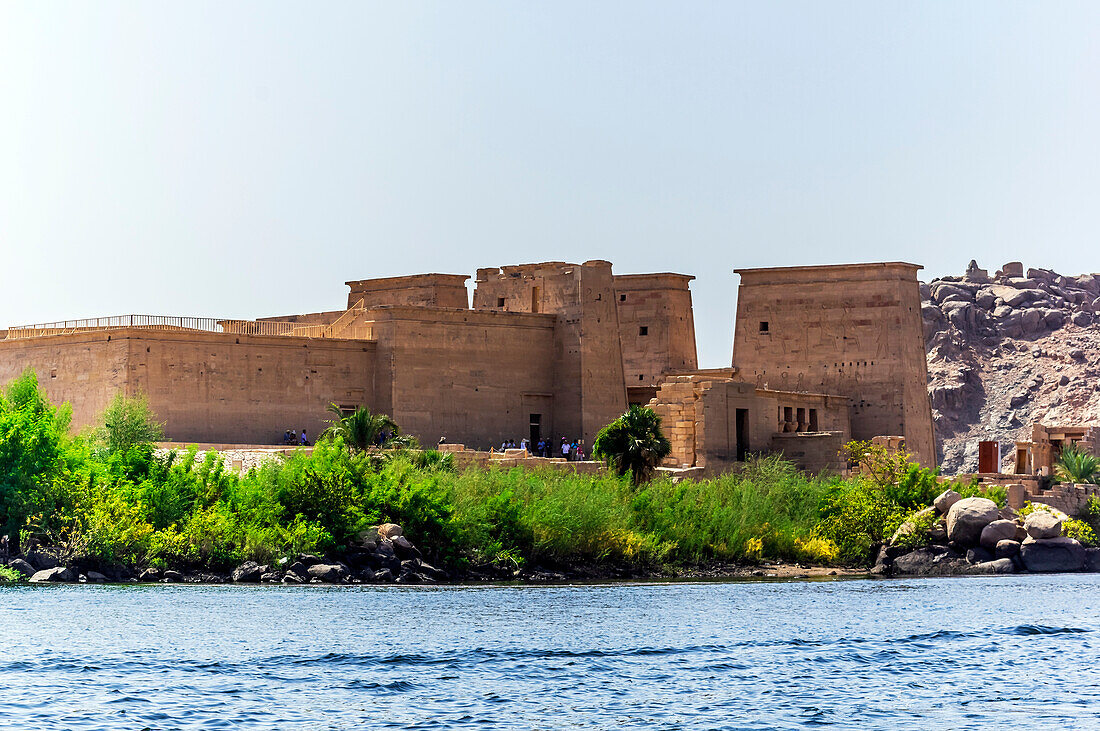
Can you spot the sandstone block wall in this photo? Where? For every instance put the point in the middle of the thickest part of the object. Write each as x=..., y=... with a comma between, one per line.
x=422, y=290
x=851, y=330
x=469, y=376
x=656, y=329
x=589, y=388
x=205, y=386
x=714, y=423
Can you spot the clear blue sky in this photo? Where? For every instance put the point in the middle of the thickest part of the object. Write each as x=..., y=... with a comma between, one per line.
x=244, y=159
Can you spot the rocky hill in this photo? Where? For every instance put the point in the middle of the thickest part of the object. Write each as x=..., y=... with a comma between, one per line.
x=1007, y=350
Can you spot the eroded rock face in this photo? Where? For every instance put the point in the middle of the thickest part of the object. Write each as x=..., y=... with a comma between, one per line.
x=997, y=531
x=22, y=567
x=1006, y=549
x=968, y=517
x=56, y=574
x=389, y=530
x=1042, y=524
x=1006, y=351
x=248, y=573
x=1052, y=554
x=328, y=573
x=945, y=500
x=930, y=561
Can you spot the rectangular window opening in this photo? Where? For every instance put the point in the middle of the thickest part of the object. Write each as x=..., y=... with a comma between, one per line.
x=763, y=326
x=622, y=298
x=500, y=302
x=643, y=330
x=813, y=420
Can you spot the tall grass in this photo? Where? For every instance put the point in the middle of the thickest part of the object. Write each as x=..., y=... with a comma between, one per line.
x=131, y=506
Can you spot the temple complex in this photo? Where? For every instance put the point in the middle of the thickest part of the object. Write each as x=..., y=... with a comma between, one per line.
x=549, y=350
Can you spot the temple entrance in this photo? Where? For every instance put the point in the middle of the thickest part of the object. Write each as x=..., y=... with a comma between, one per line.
x=742, y=426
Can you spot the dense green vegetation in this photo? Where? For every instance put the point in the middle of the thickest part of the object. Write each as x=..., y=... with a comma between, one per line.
x=107, y=498
x=1077, y=466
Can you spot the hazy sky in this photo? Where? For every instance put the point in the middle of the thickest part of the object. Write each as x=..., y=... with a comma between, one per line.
x=245, y=159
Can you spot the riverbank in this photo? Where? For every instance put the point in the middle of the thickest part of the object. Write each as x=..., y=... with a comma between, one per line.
x=383, y=555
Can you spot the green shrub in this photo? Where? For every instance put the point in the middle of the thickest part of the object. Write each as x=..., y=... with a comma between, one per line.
x=1080, y=530
x=1077, y=466
x=915, y=527
x=857, y=517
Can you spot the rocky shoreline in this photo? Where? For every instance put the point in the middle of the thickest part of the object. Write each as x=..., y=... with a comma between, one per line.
x=974, y=536
x=956, y=536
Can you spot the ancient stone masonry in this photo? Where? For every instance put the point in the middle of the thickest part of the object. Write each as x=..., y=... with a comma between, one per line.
x=656, y=329
x=546, y=350
x=850, y=330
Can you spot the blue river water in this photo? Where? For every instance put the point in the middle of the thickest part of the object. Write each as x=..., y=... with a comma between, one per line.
x=959, y=653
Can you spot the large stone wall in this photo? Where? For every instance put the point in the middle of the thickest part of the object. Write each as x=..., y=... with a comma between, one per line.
x=852, y=330
x=421, y=290
x=589, y=388
x=656, y=329
x=205, y=386
x=469, y=376
x=84, y=370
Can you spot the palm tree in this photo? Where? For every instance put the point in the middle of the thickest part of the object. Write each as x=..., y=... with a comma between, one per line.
x=633, y=443
x=361, y=429
x=1077, y=466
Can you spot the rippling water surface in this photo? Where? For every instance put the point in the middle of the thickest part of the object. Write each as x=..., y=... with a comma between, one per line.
x=1014, y=651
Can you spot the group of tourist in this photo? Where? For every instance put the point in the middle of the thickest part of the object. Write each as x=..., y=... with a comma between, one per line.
x=292, y=437
x=569, y=450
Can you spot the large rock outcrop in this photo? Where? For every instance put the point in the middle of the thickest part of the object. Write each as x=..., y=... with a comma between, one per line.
x=1007, y=350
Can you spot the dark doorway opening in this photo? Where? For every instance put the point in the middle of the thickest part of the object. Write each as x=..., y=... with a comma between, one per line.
x=536, y=428
x=742, y=426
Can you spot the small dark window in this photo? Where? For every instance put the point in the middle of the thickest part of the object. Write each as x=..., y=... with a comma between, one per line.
x=643, y=330
x=500, y=302
x=622, y=298
x=640, y=377
x=763, y=327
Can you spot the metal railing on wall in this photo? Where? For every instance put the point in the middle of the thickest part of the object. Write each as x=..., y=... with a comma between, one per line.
x=204, y=324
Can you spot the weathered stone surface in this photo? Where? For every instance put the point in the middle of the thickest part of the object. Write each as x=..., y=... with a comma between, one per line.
x=22, y=567
x=998, y=530
x=150, y=574
x=403, y=548
x=930, y=561
x=172, y=577
x=389, y=530
x=1006, y=549
x=328, y=573
x=41, y=559
x=291, y=577
x=96, y=578
x=998, y=566
x=945, y=500
x=248, y=572
x=271, y=577
x=1042, y=524
x=56, y=574
x=968, y=517
x=1052, y=554
x=978, y=555
x=384, y=576
x=1050, y=509
x=1092, y=559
